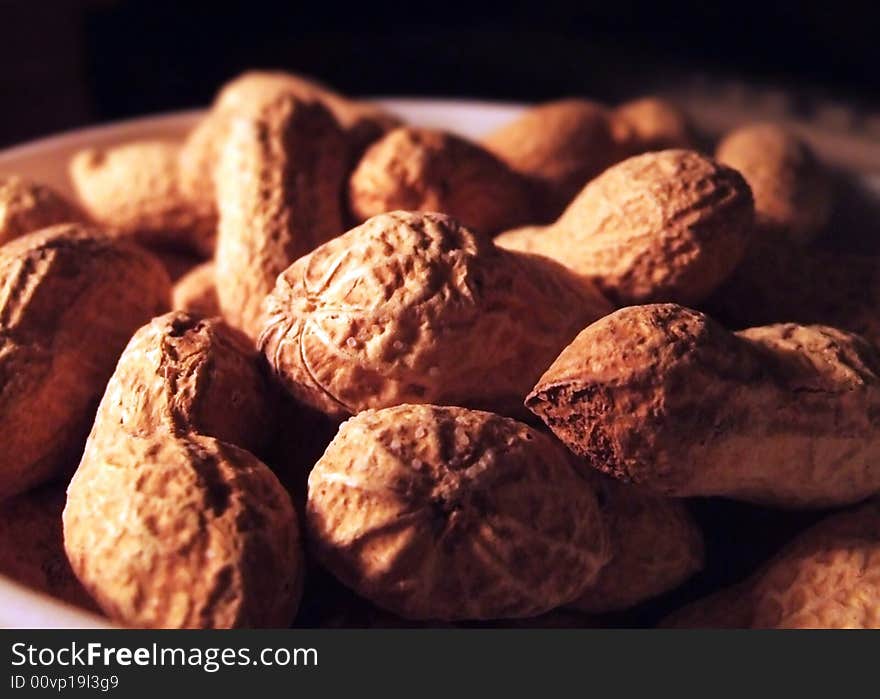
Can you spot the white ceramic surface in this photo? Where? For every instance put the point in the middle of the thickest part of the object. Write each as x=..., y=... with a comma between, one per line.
x=46, y=161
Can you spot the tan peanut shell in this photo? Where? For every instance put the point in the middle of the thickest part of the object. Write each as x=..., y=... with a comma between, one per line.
x=655, y=547
x=181, y=374
x=651, y=124
x=781, y=281
x=70, y=297
x=446, y=513
x=415, y=308
x=169, y=522
x=133, y=188
x=664, y=226
x=416, y=169
x=196, y=292
x=663, y=396
x=27, y=206
x=362, y=123
x=32, y=547
x=827, y=578
x=791, y=187
x=279, y=184
x=562, y=145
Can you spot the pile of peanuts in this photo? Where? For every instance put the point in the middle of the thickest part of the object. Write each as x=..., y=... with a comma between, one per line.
x=487, y=402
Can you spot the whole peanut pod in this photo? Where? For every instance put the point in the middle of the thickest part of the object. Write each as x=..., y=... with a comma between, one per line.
x=361, y=122
x=279, y=183
x=664, y=226
x=70, y=297
x=560, y=145
x=663, y=396
x=392, y=311
x=32, y=547
x=171, y=521
x=655, y=547
x=196, y=291
x=418, y=169
x=650, y=124
x=27, y=206
x=827, y=578
x=446, y=513
x=791, y=187
x=134, y=190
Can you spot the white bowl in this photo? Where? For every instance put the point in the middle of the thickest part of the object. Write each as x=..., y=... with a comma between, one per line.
x=46, y=161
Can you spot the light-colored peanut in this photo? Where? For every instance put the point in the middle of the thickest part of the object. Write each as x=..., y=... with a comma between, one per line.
x=661, y=395
x=171, y=521
x=827, y=578
x=134, y=190
x=392, y=311
x=665, y=226
x=27, y=206
x=70, y=297
x=417, y=169
x=561, y=146
x=448, y=514
x=791, y=187
x=279, y=182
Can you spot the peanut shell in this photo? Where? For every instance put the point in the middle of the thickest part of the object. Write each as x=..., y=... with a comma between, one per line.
x=168, y=523
x=655, y=547
x=133, y=188
x=562, y=145
x=791, y=187
x=827, y=578
x=196, y=292
x=27, y=206
x=450, y=514
x=32, y=547
x=279, y=184
x=665, y=226
x=661, y=395
x=651, y=124
x=391, y=312
x=361, y=122
x=70, y=298
x=416, y=169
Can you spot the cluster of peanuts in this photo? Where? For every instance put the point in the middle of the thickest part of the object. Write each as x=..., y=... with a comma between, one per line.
x=488, y=401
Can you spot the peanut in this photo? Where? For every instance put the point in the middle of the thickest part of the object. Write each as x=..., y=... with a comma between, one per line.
x=27, y=206
x=650, y=124
x=665, y=226
x=446, y=513
x=32, y=549
x=134, y=189
x=170, y=522
x=361, y=122
x=70, y=298
x=279, y=183
x=196, y=292
x=792, y=190
x=390, y=312
x=828, y=578
x=427, y=170
x=561, y=145
x=655, y=547
x=663, y=396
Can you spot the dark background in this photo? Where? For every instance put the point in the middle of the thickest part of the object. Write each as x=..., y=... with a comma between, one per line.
x=65, y=63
